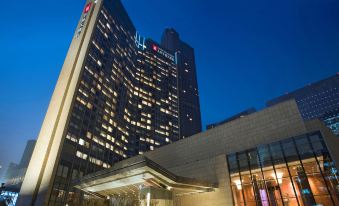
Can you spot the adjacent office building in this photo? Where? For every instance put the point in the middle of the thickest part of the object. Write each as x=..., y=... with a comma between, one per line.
x=15, y=175
x=331, y=119
x=189, y=104
x=319, y=100
x=271, y=157
x=117, y=96
x=16, y=172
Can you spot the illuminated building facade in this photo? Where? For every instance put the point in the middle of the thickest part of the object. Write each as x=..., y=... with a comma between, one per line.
x=319, y=100
x=116, y=97
x=189, y=104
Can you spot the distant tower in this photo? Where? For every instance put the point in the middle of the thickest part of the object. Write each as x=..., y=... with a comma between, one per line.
x=16, y=172
x=189, y=104
x=26, y=156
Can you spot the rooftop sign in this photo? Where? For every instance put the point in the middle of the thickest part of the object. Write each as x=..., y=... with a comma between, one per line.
x=163, y=52
x=83, y=19
x=139, y=41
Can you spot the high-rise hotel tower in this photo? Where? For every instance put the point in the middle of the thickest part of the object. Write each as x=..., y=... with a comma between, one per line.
x=117, y=96
x=189, y=104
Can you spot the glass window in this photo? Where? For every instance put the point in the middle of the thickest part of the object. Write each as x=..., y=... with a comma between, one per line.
x=293, y=168
x=273, y=191
x=277, y=154
x=59, y=171
x=248, y=193
x=290, y=150
x=237, y=195
x=263, y=203
x=295, y=185
x=269, y=173
x=323, y=200
x=321, y=151
x=318, y=146
x=259, y=188
x=317, y=184
x=243, y=162
x=264, y=155
x=304, y=147
x=251, y=204
x=315, y=137
x=311, y=166
x=257, y=175
x=286, y=187
x=288, y=172
x=232, y=163
x=331, y=178
x=235, y=179
x=301, y=140
x=253, y=159
x=290, y=202
x=65, y=172
x=282, y=171
x=246, y=177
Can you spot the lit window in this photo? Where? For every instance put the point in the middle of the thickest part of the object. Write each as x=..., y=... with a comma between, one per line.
x=81, y=142
x=99, y=63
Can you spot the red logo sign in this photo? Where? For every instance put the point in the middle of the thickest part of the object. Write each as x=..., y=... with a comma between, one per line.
x=88, y=7
x=155, y=48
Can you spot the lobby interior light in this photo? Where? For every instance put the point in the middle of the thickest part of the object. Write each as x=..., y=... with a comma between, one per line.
x=148, y=199
x=238, y=184
x=279, y=177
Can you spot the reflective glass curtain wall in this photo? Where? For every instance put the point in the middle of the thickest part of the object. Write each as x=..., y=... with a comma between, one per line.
x=295, y=171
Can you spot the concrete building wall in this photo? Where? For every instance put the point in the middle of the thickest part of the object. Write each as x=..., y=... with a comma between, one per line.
x=269, y=125
x=203, y=156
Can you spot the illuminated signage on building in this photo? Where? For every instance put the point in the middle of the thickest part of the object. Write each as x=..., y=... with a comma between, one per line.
x=140, y=44
x=163, y=52
x=83, y=19
x=87, y=8
x=139, y=41
x=155, y=47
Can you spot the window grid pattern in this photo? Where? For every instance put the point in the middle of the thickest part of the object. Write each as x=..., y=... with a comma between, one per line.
x=126, y=103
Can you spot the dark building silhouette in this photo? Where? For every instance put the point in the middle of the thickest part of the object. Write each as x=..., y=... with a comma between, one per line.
x=234, y=117
x=189, y=104
x=16, y=172
x=26, y=156
x=319, y=100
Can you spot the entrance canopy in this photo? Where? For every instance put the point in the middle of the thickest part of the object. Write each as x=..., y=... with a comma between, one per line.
x=131, y=175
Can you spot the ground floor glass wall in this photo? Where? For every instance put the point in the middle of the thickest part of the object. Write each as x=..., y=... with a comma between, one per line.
x=295, y=171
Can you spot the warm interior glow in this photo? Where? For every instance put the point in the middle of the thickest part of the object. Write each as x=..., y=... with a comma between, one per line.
x=279, y=177
x=148, y=199
x=238, y=184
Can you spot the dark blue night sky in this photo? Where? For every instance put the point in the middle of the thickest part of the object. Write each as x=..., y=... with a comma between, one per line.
x=247, y=52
